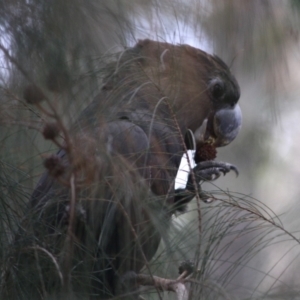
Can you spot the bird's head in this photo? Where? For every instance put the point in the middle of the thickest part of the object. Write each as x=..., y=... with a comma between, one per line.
x=225, y=118
x=200, y=87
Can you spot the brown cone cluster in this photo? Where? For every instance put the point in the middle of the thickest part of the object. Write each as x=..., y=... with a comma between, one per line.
x=54, y=165
x=205, y=152
x=33, y=94
x=50, y=131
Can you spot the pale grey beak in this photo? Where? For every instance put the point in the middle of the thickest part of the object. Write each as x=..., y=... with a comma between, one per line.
x=227, y=123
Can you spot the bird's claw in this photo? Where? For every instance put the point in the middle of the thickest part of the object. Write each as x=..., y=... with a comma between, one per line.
x=187, y=267
x=204, y=171
x=211, y=170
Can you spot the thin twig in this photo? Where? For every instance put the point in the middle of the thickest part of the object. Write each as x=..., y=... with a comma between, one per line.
x=68, y=253
x=197, y=252
x=36, y=247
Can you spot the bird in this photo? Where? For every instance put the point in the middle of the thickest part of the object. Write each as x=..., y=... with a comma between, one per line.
x=157, y=102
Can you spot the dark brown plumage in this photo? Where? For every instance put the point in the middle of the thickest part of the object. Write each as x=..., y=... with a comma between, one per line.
x=127, y=147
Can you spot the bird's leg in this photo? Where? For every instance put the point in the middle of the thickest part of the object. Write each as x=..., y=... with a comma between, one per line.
x=203, y=171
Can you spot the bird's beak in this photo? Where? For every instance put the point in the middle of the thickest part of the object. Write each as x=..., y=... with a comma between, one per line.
x=227, y=123
x=221, y=128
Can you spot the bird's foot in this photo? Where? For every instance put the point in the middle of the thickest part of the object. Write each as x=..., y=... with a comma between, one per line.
x=211, y=170
x=186, y=268
x=204, y=171
x=208, y=171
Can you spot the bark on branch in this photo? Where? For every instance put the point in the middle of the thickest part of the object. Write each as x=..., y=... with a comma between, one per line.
x=162, y=284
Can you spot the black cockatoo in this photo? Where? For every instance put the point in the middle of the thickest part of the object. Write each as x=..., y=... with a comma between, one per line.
x=127, y=146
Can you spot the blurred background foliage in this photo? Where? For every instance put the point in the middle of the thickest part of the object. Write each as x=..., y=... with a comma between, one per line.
x=63, y=46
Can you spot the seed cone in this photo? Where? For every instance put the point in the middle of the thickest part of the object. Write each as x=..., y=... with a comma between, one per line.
x=205, y=152
x=33, y=94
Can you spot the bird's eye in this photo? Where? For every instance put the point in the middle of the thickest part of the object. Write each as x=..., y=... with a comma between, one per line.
x=217, y=90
